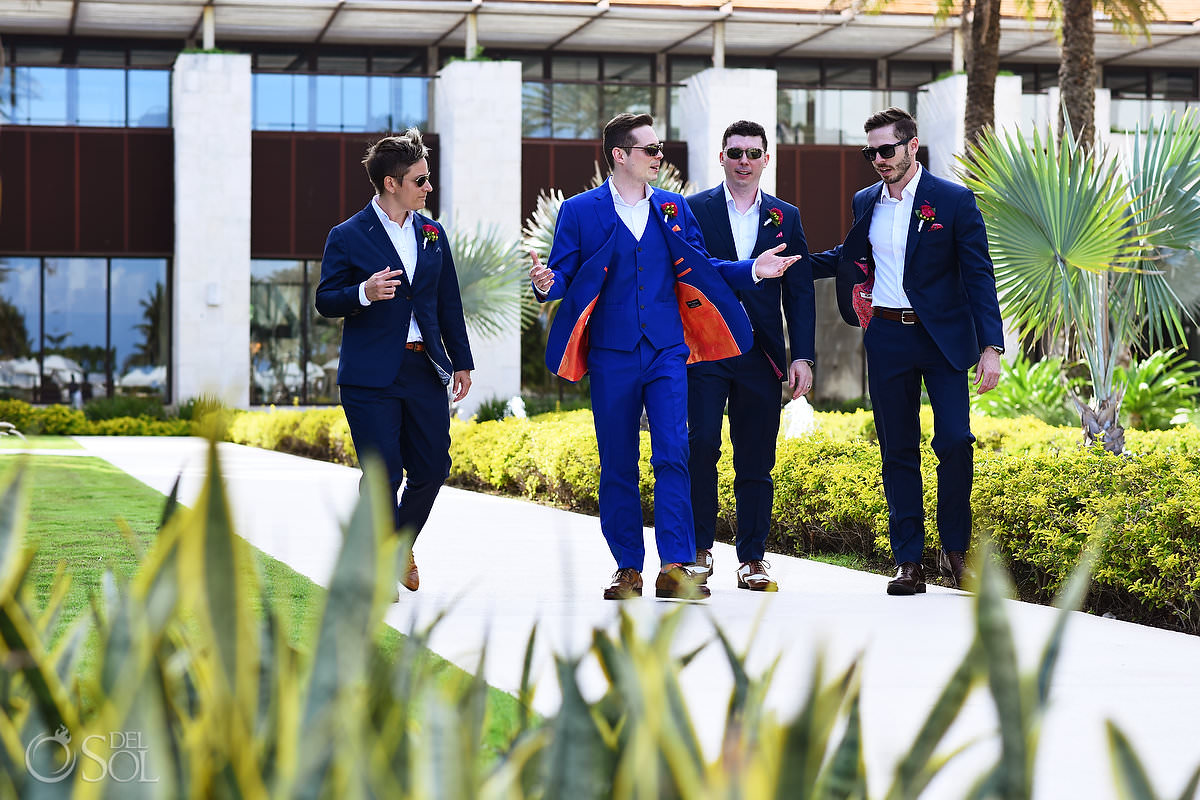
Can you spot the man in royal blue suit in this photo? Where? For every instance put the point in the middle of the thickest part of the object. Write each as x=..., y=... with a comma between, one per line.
x=389, y=272
x=916, y=265
x=641, y=298
x=740, y=221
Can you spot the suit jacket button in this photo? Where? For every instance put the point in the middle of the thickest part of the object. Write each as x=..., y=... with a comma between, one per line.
x=643, y=308
x=643, y=324
x=408, y=297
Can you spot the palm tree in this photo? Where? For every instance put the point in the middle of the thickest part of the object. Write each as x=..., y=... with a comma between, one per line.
x=1081, y=241
x=491, y=272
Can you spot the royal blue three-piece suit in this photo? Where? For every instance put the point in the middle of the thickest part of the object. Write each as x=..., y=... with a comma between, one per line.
x=749, y=382
x=395, y=396
x=633, y=313
x=948, y=278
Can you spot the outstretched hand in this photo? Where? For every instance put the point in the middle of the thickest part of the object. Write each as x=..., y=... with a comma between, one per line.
x=771, y=265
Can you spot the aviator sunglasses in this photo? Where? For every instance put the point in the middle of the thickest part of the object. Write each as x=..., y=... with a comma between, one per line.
x=651, y=150
x=752, y=153
x=421, y=180
x=885, y=150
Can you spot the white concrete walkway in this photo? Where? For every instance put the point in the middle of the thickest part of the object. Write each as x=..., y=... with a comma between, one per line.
x=501, y=565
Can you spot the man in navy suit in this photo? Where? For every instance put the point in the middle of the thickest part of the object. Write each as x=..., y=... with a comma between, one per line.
x=614, y=259
x=740, y=221
x=389, y=272
x=932, y=314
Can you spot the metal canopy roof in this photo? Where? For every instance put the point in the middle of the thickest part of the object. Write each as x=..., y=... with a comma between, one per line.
x=751, y=28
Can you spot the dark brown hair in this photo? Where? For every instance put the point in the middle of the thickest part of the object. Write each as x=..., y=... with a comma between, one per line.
x=744, y=127
x=906, y=126
x=394, y=155
x=618, y=132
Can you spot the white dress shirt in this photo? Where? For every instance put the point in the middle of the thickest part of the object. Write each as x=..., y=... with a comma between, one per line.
x=889, y=240
x=404, y=240
x=743, y=225
x=634, y=216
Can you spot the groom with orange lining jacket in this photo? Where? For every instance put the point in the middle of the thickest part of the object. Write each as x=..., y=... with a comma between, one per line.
x=641, y=299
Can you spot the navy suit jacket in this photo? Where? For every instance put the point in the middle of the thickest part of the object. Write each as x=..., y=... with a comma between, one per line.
x=601, y=292
x=947, y=269
x=762, y=303
x=373, y=337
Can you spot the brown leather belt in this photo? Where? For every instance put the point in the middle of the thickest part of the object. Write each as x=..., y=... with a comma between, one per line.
x=418, y=347
x=904, y=315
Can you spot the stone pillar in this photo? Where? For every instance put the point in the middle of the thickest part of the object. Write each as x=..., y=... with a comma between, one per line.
x=714, y=98
x=941, y=110
x=211, y=105
x=480, y=182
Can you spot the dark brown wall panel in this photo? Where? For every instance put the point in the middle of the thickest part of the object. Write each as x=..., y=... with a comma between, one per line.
x=318, y=189
x=272, y=181
x=151, y=203
x=102, y=200
x=14, y=200
x=53, y=192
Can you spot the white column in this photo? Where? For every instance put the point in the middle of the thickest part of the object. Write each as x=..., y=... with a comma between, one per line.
x=480, y=181
x=210, y=99
x=713, y=99
x=941, y=112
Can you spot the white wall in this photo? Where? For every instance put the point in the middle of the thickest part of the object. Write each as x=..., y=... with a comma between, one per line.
x=941, y=109
x=211, y=294
x=477, y=108
x=710, y=101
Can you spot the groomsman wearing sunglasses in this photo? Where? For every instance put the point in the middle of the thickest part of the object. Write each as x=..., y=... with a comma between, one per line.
x=740, y=221
x=389, y=272
x=916, y=265
x=640, y=298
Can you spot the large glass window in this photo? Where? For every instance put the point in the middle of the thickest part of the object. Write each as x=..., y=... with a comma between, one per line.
x=293, y=350
x=85, y=96
x=96, y=325
x=367, y=103
x=573, y=96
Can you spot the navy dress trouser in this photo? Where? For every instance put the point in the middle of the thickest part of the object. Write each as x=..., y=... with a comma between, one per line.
x=751, y=387
x=899, y=358
x=407, y=424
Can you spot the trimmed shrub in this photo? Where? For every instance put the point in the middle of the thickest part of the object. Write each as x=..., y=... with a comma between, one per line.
x=124, y=406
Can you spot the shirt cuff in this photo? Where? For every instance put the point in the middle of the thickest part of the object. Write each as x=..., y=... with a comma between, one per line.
x=362, y=294
x=757, y=278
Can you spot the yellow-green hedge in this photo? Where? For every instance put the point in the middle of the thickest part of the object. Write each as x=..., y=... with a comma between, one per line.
x=1037, y=494
x=59, y=420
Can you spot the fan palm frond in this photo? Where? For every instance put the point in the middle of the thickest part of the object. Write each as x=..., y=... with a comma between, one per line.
x=491, y=270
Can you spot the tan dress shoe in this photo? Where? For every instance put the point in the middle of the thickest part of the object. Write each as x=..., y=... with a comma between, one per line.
x=411, y=579
x=753, y=575
x=680, y=584
x=702, y=568
x=626, y=584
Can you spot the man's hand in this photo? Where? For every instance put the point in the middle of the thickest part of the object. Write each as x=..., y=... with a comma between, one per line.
x=800, y=378
x=382, y=285
x=542, y=277
x=770, y=265
x=462, y=384
x=987, y=371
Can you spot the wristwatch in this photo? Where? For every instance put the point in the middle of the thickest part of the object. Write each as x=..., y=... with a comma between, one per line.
x=998, y=348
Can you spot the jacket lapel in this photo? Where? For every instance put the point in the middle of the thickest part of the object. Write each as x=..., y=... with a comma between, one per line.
x=428, y=253
x=719, y=219
x=769, y=234
x=921, y=196
x=378, y=237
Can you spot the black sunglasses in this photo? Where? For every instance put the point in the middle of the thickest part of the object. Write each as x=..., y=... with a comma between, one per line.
x=421, y=180
x=651, y=150
x=752, y=153
x=885, y=150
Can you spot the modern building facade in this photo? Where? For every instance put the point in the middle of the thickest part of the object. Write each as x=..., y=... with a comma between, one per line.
x=170, y=168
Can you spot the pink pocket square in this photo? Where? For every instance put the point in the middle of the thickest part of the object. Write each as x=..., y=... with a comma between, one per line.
x=937, y=226
x=779, y=235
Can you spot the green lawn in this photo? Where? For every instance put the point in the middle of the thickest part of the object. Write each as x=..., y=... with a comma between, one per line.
x=74, y=507
x=38, y=443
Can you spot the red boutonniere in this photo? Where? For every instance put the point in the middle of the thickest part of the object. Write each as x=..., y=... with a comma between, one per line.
x=429, y=233
x=670, y=211
x=926, y=213
x=774, y=216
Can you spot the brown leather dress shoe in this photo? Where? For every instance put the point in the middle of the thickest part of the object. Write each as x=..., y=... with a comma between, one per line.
x=411, y=579
x=703, y=566
x=753, y=575
x=626, y=583
x=910, y=579
x=680, y=584
x=953, y=565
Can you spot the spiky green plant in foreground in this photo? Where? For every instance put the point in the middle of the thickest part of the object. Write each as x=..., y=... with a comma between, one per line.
x=222, y=706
